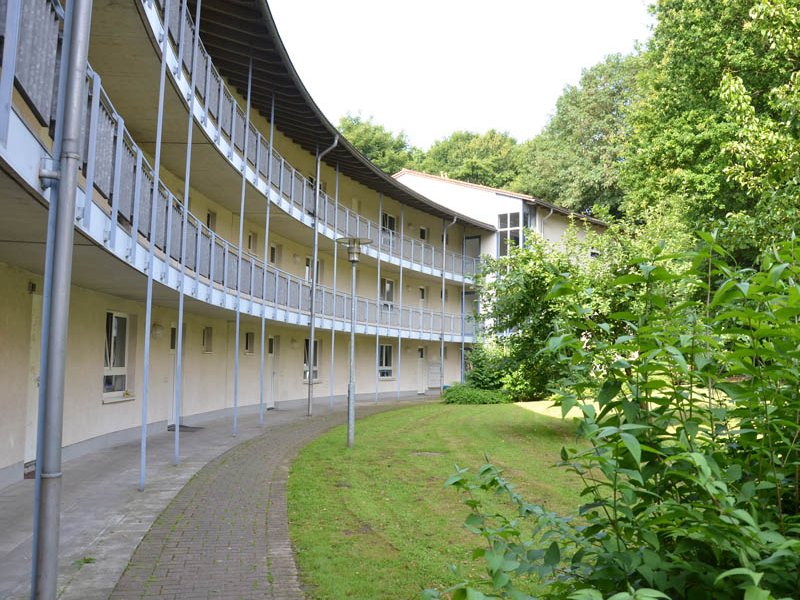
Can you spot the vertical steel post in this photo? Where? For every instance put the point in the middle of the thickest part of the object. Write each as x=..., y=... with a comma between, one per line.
x=47, y=287
x=11, y=37
x=314, y=258
x=266, y=263
x=445, y=226
x=351, y=382
x=463, y=291
x=241, y=241
x=148, y=315
x=400, y=312
x=176, y=458
x=69, y=162
x=335, y=260
x=378, y=299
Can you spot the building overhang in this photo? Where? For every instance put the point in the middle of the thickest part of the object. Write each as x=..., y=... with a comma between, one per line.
x=233, y=32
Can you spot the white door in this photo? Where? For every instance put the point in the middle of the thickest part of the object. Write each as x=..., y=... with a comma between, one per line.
x=433, y=375
x=34, y=357
x=270, y=370
x=422, y=370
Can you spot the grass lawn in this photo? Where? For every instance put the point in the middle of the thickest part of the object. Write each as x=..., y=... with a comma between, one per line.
x=376, y=521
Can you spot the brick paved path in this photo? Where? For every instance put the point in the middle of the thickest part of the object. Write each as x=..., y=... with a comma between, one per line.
x=226, y=533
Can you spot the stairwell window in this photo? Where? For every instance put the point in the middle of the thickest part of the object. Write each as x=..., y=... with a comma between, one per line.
x=115, y=366
x=208, y=340
x=315, y=365
x=249, y=342
x=508, y=232
x=385, y=369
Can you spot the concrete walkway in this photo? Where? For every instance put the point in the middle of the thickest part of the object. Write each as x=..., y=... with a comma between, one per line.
x=214, y=526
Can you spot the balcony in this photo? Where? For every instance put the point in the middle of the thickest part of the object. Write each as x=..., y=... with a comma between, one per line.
x=224, y=122
x=118, y=203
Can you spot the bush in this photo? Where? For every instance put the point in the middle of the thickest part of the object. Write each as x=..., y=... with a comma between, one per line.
x=691, y=424
x=487, y=365
x=467, y=394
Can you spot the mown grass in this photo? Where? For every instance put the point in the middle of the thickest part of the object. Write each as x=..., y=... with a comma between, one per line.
x=376, y=521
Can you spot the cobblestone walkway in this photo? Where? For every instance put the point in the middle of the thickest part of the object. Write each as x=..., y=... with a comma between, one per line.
x=226, y=533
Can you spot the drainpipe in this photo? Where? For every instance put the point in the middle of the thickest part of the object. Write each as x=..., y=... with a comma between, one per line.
x=312, y=307
x=543, y=221
x=69, y=162
x=441, y=342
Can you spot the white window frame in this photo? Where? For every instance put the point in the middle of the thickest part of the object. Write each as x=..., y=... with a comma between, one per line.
x=307, y=267
x=387, y=284
x=110, y=355
x=315, y=366
x=252, y=242
x=249, y=343
x=388, y=219
x=207, y=341
x=211, y=220
x=386, y=361
x=423, y=233
x=274, y=254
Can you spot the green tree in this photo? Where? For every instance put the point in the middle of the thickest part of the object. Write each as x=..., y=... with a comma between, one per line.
x=575, y=161
x=489, y=159
x=389, y=152
x=674, y=172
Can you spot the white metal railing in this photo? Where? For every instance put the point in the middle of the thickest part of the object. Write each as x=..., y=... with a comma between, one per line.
x=219, y=105
x=117, y=170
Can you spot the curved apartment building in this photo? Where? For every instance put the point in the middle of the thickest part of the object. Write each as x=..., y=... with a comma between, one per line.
x=207, y=176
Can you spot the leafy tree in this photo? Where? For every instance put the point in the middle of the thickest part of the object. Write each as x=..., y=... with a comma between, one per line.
x=674, y=171
x=389, y=152
x=489, y=159
x=575, y=161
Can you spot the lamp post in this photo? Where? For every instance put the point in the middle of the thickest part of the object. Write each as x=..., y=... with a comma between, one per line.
x=353, y=245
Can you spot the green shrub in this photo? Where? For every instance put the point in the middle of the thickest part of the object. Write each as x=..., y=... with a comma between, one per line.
x=690, y=460
x=486, y=366
x=467, y=394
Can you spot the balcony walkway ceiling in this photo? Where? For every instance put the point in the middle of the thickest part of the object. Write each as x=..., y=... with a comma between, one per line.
x=233, y=31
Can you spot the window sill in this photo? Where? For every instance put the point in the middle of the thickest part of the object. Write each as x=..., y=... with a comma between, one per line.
x=387, y=378
x=113, y=398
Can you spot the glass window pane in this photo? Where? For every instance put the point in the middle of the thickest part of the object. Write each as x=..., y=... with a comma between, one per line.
x=514, y=219
x=120, y=337
x=502, y=221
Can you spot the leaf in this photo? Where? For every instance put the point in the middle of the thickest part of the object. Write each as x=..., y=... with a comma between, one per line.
x=632, y=444
x=586, y=594
x=608, y=391
x=754, y=577
x=752, y=592
x=553, y=555
x=473, y=594
x=645, y=593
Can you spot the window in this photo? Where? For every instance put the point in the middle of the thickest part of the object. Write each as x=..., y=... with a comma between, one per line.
x=444, y=353
x=308, y=269
x=115, y=367
x=387, y=292
x=208, y=340
x=388, y=222
x=421, y=352
x=274, y=254
x=385, y=361
x=211, y=220
x=423, y=233
x=446, y=294
x=173, y=339
x=508, y=232
x=423, y=292
x=252, y=241
x=271, y=345
x=249, y=342
x=315, y=366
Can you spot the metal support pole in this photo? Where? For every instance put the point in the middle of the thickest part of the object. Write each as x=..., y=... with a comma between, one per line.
x=47, y=287
x=315, y=254
x=378, y=299
x=400, y=312
x=69, y=162
x=11, y=41
x=335, y=261
x=463, y=292
x=176, y=459
x=266, y=263
x=241, y=241
x=445, y=226
x=351, y=382
x=148, y=316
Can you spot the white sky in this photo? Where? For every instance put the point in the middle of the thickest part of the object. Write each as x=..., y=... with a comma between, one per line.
x=431, y=67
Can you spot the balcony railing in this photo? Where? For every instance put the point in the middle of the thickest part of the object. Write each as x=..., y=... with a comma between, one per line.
x=220, y=107
x=122, y=179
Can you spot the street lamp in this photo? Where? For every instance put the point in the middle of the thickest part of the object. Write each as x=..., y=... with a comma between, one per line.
x=353, y=245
